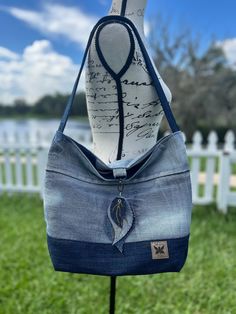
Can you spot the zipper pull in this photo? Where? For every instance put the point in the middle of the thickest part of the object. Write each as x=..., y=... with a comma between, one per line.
x=120, y=187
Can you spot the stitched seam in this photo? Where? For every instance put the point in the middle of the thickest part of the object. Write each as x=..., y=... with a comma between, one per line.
x=113, y=182
x=70, y=240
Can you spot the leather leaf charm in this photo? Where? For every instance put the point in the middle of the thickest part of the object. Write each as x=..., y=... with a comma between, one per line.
x=121, y=217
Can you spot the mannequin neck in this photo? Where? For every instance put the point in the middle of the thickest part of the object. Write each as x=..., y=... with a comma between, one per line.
x=132, y=9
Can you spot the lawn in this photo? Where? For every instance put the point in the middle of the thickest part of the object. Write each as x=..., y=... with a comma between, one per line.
x=29, y=285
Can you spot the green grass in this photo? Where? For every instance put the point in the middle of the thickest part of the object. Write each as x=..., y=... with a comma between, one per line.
x=29, y=285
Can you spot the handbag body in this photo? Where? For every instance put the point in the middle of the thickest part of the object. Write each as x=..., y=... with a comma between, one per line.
x=131, y=217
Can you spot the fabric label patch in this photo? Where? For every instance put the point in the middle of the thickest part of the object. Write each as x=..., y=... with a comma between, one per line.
x=159, y=250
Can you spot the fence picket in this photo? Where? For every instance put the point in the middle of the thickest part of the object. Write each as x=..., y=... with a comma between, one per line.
x=7, y=160
x=229, y=141
x=195, y=168
x=29, y=160
x=18, y=164
x=210, y=165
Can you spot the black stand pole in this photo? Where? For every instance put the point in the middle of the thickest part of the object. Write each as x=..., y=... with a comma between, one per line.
x=112, y=294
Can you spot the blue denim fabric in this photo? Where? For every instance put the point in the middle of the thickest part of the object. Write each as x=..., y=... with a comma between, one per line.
x=105, y=259
x=77, y=196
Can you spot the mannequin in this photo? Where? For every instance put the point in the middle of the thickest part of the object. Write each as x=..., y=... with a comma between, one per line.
x=122, y=128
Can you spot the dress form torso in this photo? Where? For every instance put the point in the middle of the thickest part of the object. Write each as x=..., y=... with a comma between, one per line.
x=124, y=112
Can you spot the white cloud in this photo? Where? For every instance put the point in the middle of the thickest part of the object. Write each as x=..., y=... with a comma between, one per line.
x=8, y=54
x=69, y=22
x=55, y=19
x=103, y=2
x=147, y=28
x=229, y=48
x=38, y=71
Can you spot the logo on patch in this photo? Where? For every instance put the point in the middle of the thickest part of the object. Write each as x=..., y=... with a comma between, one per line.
x=159, y=250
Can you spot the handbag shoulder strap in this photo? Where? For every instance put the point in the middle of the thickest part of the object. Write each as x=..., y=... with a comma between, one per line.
x=163, y=100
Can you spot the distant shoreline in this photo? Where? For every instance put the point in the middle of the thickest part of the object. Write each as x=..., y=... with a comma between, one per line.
x=39, y=117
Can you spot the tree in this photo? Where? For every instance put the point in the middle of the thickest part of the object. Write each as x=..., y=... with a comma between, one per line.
x=21, y=107
x=202, y=84
x=54, y=105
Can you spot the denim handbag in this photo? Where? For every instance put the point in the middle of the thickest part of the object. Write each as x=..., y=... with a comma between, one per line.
x=129, y=218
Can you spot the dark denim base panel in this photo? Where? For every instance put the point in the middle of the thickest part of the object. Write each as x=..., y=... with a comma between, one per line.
x=104, y=259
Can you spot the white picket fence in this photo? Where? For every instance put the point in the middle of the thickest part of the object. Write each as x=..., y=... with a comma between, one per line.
x=216, y=183
x=23, y=160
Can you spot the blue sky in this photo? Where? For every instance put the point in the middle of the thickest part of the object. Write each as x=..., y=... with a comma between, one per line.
x=41, y=42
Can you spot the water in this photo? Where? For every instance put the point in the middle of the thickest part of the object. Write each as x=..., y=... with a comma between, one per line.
x=44, y=125
x=19, y=131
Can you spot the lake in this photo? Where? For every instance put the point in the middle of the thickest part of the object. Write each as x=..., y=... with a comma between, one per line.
x=11, y=125
x=80, y=130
